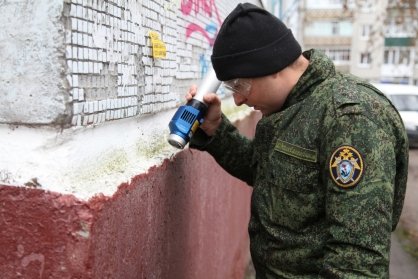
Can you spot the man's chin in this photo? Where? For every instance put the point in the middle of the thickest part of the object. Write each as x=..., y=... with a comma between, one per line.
x=263, y=112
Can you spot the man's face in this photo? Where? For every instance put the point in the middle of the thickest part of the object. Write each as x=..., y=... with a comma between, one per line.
x=266, y=94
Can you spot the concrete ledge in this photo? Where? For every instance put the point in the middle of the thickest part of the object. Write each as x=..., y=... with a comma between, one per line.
x=186, y=218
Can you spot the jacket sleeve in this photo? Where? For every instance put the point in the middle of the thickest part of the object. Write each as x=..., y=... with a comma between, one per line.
x=232, y=151
x=359, y=169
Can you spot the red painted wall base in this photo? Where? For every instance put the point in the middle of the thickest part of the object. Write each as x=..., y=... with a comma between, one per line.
x=185, y=219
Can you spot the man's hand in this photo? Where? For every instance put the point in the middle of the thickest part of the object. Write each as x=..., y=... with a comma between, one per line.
x=213, y=115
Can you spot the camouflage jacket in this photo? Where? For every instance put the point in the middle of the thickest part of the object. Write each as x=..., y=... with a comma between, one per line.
x=328, y=173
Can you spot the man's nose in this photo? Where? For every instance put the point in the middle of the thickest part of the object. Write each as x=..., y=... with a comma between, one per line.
x=238, y=99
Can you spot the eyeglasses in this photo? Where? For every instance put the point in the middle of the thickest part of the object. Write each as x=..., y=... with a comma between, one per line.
x=241, y=86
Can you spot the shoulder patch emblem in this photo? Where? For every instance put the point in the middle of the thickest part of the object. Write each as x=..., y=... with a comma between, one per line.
x=346, y=166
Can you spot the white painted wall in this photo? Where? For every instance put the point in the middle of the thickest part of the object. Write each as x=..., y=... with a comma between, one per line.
x=89, y=161
x=32, y=87
x=83, y=161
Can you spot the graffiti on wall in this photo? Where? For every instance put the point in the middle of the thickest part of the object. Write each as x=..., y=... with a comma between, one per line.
x=207, y=8
x=204, y=64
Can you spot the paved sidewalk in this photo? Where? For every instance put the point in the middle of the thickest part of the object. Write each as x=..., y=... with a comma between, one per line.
x=402, y=264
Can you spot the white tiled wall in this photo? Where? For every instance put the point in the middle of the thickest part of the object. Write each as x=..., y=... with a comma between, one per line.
x=111, y=71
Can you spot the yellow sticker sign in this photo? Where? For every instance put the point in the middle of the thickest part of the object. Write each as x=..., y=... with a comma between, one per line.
x=158, y=46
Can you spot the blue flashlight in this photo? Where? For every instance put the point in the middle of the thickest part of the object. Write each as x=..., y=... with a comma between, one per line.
x=189, y=117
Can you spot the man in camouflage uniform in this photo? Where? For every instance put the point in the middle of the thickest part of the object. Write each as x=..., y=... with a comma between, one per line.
x=328, y=163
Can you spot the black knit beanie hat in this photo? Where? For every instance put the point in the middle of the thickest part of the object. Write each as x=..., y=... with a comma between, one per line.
x=252, y=43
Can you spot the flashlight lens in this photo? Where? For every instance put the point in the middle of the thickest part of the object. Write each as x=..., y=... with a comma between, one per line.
x=176, y=141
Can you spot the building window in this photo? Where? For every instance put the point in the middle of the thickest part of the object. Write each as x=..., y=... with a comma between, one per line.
x=336, y=2
x=400, y=56
x=338, y=56
x=365, y=5
x=403, y=4
x=400, y=27
x=404, y=55
x=389, y=57
x=365, y=58
x=335, y=30
x=366, y=30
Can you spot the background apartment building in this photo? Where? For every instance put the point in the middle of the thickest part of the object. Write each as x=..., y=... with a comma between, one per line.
x=376, y=40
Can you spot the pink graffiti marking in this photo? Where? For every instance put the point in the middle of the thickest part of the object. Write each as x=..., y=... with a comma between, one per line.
x=207, y=7
x=192, y=27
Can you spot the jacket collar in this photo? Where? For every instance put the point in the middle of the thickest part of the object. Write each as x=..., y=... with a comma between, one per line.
x=320, y=68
